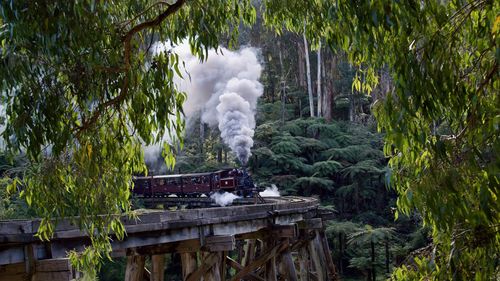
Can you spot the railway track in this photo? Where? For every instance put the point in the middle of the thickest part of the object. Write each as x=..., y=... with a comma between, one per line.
x=197, y=202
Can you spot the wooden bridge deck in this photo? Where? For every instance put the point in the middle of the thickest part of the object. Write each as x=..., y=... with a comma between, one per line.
x=155, y=232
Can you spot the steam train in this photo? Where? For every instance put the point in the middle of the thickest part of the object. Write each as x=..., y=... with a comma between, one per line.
x=195, y=185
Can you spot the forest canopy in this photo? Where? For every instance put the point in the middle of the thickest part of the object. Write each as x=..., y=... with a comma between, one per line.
x=82, y=93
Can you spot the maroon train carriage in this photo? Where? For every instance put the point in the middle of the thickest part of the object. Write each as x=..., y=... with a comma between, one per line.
x=194, y=185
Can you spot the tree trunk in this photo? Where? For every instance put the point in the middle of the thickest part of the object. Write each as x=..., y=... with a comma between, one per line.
x=351, y=102
x=372, y=244
x=320, y=97
x=387, y=256
x=308, y=71
x=325, y=88
x=202, y=139
x=341, y=254
x=328, y=78
x=282, y=84
x=302, y=71
x=271, y=85
x=219, y=154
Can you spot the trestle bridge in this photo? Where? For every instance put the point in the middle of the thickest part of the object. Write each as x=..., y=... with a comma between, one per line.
x=278, y=238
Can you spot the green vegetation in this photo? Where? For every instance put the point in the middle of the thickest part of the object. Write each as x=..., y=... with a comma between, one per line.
x=82, y=93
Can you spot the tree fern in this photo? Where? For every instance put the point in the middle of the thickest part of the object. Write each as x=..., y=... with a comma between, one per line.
x=306, y=185
x=265, y=132
x=285, y=144
x=288, y=163
x=322, y=130
x=345, y=139
x=293, y=128
x=346, y=191
x=326, y=168
x=371, y=234
x=298, y=127
x=344, y=227
x=352, y=153
x=362, y=169
x=310, y=148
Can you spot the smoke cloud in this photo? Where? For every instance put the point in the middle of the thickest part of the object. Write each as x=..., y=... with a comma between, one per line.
x=223, y=199
x=224, y=89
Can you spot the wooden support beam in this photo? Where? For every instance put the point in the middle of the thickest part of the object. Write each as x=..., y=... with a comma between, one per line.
x=250, y=254
x=303, y=263
x=238, y=267
x=52, y=269
x=29, y=260
x=312, y=276
x=223, y=266
x=135, y=268
x=146, y=274
x=213, y=273
x=328, y=255
x=318, y=259
x=284, y=231
x=261, y=233
x=157, y=268
x=289, y=266
x=219, y=243
x=208, y=262
x=240, y=251
x=188, y=261
x=271, y=272
x=192, y=245
x=311, y=224
x=259, y=262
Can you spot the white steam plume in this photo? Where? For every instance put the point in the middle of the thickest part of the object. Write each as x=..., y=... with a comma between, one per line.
x=224, y=89
x=270, y=192
x=223, y=199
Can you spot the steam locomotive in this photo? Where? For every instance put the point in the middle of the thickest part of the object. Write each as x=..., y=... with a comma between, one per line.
x=195, y=185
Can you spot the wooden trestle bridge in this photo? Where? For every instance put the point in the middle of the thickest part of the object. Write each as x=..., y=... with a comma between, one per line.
x=282, y=238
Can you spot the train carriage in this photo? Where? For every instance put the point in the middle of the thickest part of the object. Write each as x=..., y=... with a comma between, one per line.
x=193, y=185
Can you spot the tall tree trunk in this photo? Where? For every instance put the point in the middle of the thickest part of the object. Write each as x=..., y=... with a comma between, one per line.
x=282, y=84
x=219, y=155
x=351, y=102
x=341, y=254
x=326, y=111
x=387, y=256
x=300, y=108
x=372, y=244
x=219, y=150
x=270, y=89
x=308, y=71
x=302, y=71
x=320, y=97
x=202, y=139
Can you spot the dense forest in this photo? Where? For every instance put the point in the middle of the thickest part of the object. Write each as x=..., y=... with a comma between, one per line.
x=387, y=112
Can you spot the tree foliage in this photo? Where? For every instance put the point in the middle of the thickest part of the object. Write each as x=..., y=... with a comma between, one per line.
x=83, y=92
x=443, y=58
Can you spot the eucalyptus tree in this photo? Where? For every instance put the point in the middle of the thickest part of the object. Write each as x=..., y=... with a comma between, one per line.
x=441, y=120
x=83, y=92
x=308, y=73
